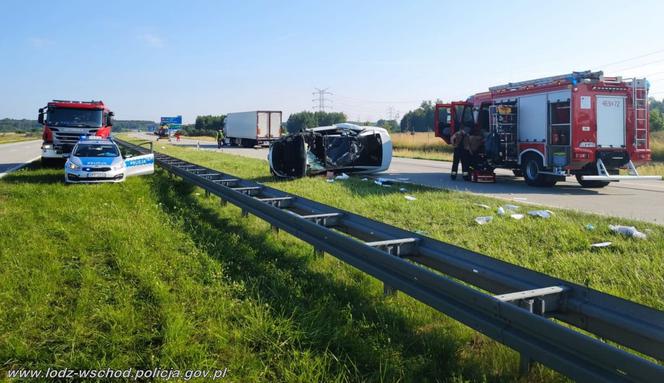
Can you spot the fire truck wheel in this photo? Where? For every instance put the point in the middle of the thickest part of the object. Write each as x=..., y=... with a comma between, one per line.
x=591, y=184
x=530, y=167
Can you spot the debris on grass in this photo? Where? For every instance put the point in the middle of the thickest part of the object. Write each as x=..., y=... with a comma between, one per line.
x=342, y=176
x=541, y=213
x=330, y=180
x=421, y=232
x=500, y=211
x=483, y=220
x=590, y=226
x=409, y=197
x=517, y=216
x=629, y=231
x=482, y=205
x=403, y=190
x=601, y=244
x=511, y=207
x=365, y=179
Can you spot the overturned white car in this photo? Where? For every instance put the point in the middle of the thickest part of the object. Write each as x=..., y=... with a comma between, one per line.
x=343, y=147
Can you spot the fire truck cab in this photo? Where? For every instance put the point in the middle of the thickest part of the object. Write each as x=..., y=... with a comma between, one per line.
x=581, y=124
x=65, y=122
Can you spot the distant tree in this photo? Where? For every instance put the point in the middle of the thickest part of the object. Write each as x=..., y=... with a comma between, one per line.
x=420, y=119
x=390, y=125
x=656, y=120
x=306, y=120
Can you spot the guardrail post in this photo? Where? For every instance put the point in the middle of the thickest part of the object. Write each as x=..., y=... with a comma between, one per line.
x=245, y=213
x=222, y=202
x=274, y=229
x=207, y=194
x=319, y=253
x=525, y=361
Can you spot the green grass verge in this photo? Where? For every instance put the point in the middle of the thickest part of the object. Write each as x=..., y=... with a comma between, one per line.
x=7, y=138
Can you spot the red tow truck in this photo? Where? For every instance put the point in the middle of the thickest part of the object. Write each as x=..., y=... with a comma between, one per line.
x=66, y=121
x=581, y=124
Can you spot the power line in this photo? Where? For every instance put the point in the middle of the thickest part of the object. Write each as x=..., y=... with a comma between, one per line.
x=629, y=59
x=321, y=100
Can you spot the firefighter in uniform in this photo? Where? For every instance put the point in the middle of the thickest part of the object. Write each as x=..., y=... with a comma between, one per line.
x=460, y=144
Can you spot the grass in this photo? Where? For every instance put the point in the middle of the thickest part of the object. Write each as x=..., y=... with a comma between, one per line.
x=150, y=273
x=421, y=145
x=6, y=138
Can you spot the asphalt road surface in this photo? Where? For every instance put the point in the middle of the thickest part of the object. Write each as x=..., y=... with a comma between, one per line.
x=15, y=155
x=640, y=200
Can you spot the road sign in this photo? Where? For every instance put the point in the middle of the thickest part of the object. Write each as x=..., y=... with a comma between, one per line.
x=177, y=120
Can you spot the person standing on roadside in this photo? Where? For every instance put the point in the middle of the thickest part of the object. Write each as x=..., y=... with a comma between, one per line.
x=220, y=138
x=459, y=142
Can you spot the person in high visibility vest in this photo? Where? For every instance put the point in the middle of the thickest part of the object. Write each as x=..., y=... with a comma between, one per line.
x=220, y=138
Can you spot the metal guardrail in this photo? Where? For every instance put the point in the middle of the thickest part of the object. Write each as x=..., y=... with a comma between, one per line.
x=533, y=313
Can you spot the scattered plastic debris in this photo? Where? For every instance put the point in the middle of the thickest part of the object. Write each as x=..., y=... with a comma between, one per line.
x=482, y=205
x=590, y=226
x=601, y=244
x=421, y=232
x=517, y=216
x=629, y=231
x=483, y=220
x=342, y=176
x=410, y=197
x=365, y=179
x=511, y=207
x=500, y=211
x=541, y=213
x=378, y=183
x=403, y=190
x=330, y=180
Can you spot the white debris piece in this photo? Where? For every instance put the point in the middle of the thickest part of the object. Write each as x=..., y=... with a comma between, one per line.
x=629, y=231
x=342, y=176
x=541, y=213
x=403, y=190
x=601, y=244
x=500, y=211
x=409, y=197
x=510, y=207
x=483, y=220
x=482, y=205
x=330, y=180
x=365, y=179
x=517, y=216
x=378, y=183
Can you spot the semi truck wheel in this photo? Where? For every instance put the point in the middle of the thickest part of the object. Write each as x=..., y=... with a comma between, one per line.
x=591, y=184
x=531, y=168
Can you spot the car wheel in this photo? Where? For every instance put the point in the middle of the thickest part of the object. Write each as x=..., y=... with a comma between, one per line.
x=531, y=168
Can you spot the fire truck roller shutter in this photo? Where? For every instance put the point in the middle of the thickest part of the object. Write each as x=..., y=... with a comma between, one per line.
x=532, y=118
x=610, y=121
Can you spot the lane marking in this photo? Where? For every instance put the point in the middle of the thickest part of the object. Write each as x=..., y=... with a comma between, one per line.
x=15, y=168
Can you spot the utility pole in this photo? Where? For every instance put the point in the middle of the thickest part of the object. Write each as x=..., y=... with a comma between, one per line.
x=323, y=102
x=390, y=113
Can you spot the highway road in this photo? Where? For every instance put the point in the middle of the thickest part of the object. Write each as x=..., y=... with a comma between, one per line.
x=15, y=155
x=640, y=200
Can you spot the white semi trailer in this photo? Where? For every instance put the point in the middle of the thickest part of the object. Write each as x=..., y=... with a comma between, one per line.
x=252, y=128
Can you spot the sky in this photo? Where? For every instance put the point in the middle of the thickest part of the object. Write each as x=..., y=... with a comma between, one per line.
x=147, y=59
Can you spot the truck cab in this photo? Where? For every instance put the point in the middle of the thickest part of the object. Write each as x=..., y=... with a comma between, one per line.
x=66, y=121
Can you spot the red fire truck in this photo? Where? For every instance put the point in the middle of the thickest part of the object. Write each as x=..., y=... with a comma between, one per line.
x=582, y=124
x=66, y=121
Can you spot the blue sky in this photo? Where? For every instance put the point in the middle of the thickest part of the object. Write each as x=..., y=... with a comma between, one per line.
x=147, y=59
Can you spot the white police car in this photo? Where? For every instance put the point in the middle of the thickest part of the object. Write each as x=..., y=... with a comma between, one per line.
x=96, y=159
